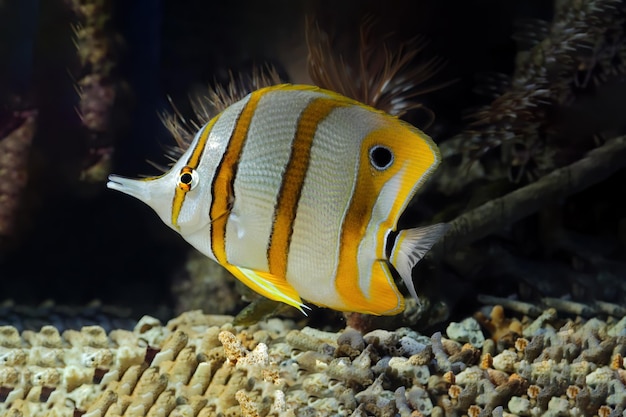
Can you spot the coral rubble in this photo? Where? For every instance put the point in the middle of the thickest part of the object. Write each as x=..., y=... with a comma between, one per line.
x=202, y=365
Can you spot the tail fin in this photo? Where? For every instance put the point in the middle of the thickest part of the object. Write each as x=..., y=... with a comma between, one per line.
x=410, y=246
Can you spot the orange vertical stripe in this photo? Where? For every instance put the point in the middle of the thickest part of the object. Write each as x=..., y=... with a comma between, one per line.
x=193, y=162
x=352, y=232
x=369, y=184
x=415, y=155
x=196, y=155
x=222, y=187
x=293, y=179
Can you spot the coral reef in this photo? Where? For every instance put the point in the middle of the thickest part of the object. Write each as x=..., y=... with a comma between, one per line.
x=202, y=365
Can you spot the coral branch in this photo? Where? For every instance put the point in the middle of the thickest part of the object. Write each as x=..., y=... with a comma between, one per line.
x=495, y=215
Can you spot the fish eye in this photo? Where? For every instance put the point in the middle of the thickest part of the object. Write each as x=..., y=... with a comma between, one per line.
x=381, y=157
x=187, y=179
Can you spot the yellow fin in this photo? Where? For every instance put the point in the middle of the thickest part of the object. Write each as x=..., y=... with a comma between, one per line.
x=268, y=285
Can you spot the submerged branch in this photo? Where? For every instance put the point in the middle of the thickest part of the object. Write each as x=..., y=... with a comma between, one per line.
x=497, y=214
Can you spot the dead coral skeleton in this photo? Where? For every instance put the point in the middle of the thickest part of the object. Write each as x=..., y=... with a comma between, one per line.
x=205, y=366
x=500, y=212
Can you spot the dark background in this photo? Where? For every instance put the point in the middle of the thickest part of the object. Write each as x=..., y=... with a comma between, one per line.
x=78, y=241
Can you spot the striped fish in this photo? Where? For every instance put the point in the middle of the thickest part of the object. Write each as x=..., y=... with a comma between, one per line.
x=297, y=192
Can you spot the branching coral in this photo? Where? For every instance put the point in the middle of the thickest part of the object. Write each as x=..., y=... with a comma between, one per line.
x=581, y=47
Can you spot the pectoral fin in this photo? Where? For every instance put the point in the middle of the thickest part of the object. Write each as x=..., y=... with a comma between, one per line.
x=268, y=285
x=410, y=246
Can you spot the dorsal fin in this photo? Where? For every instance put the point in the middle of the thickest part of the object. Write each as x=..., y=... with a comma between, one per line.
x=410, y=246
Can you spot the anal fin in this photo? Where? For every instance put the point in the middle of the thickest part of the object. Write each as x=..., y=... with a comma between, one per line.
x=273, y=287
x=410, y=247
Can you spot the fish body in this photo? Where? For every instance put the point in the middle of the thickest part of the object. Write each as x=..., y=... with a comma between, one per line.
x=297, y=192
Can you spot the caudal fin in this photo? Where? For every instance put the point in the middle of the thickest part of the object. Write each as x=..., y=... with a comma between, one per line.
x=410, y=246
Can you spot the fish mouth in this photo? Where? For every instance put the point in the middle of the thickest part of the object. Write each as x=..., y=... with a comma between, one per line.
x=134, y=188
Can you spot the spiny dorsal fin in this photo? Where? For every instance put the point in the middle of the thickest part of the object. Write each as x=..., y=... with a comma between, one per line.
x=381, y=70
x=410, y=246
x=208, y=103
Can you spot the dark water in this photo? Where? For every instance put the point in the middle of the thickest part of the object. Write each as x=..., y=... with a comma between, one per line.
x=79, y=242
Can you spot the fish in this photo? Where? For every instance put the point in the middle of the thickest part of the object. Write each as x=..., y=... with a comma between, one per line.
x=297, y=192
